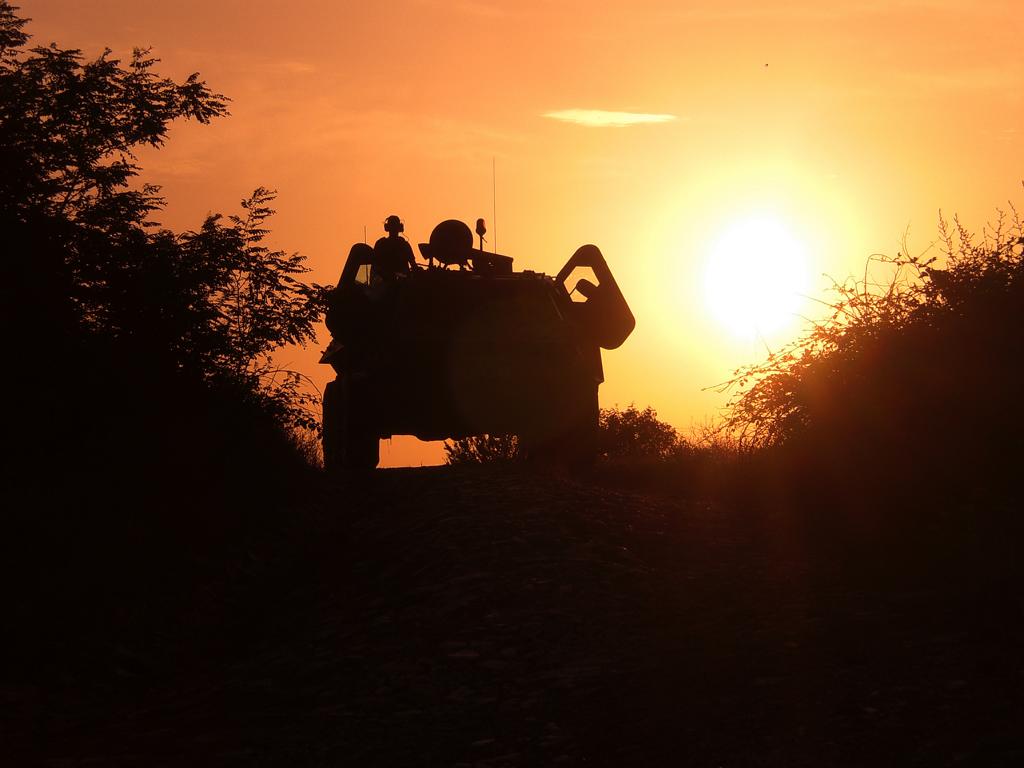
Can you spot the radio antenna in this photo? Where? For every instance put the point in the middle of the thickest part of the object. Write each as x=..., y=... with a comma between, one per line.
x=494, y=204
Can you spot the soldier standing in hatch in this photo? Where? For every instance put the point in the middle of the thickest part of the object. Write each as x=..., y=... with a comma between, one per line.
x=392, y=255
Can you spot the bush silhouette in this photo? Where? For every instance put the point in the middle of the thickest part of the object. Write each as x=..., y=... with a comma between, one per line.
x=917, y=375
x=104, y=305
x=481, y=449
x=626, y=433
x=630, y=433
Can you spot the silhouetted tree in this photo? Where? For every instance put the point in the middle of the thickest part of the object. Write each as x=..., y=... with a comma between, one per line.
x=67, y=133
x=88, y=268
x=253, y=304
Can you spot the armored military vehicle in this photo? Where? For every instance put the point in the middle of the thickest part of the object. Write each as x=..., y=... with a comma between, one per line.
x=444, y=352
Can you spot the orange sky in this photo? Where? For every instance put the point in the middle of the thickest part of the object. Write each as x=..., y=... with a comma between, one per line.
x=868, y=118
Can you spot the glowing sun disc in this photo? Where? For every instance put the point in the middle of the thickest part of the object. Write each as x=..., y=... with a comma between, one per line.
x=756, y=277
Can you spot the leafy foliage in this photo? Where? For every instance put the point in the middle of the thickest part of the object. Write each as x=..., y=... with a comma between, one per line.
x=632, y=433
x=481, y=449
x=254, y=304
x=627, y=433
x=93, y=270
x=909, y=372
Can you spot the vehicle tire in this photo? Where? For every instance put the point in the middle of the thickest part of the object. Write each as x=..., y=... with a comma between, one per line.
x=350, y=443
x=574, y=446
x=580, y=442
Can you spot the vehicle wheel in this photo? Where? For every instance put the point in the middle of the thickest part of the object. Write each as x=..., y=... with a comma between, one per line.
x=580, y=442
x=350, y=443
x=574, y=446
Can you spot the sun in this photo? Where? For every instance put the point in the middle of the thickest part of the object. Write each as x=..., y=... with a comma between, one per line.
x=756, y=277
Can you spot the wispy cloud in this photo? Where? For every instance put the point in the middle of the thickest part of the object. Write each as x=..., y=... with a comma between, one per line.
x=601, y=118
x=294, y=67
x=469, y=8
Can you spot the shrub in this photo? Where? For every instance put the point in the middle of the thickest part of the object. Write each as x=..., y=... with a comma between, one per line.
x=627, y=433
x=481, y=449
x=100, y=289
x=919, y=372
x=630, y=433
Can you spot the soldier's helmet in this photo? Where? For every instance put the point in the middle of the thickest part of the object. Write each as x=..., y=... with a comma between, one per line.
x=393, y=224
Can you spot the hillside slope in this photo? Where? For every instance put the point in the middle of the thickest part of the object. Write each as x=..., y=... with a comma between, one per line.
x=485, y=617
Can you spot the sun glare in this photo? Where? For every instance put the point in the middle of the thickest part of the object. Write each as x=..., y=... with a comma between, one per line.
x=756, y=277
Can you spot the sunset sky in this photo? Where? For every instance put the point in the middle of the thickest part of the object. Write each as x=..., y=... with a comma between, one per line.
x=670, y=134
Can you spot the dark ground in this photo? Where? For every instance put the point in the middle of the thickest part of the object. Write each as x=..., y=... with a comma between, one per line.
x=480, y=617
